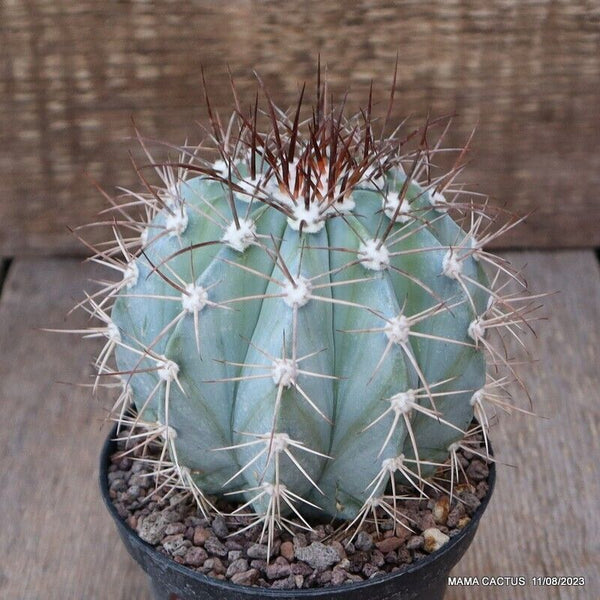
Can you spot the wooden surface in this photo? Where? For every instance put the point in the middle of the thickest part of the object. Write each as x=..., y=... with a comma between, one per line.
x=74, y=73
x=57, y=541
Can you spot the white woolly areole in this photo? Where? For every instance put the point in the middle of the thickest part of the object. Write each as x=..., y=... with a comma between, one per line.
x=403, y=402
x=279, y=442
x=373, y=257
x=313, y=221
x=171, y=196
x=398, y=329
x=167, y=369
x=168, y=433
x=390, y=204
x=393, y=464
x=240, y=239
x=131, y=274
x=177, y=222
x=455, y=446
x=274, y=489
x=221, y=167
x=371, y=180
x=477, y=397
x=452, y=266
x=112, y=332
x=299, y=294
x=284, y=371
x=438, y=201
x=144, y=236
x=373, y=502
x=476, y=329
x=347, y=205
x=475, y=245
x=194, y=299
x=251, y=187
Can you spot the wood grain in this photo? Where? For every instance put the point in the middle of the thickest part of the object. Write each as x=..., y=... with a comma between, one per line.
x=57, y=540
x=544, y=517
x=73, y=74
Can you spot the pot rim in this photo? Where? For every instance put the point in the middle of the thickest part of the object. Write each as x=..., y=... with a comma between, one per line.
x=108, y=448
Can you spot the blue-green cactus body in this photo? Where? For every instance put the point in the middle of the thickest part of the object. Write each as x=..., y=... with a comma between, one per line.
x=295, y=359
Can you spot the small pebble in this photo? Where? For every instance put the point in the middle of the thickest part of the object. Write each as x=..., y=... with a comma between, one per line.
x=325, y=576
x=389, y=544
x=234, y=555
x=192, y=521
x=357, y=561
x=259, y=564
x=440, y=510
x=118, y=485
x=237, y=566
x=200, y=536
x=289, y=583
x=152, y=528
x=278, y=569
x=404, y=556
x=214, y=546
x=248, y=577
x=318, y=555
x=415, y=542
x=214, y=564
x=287, y=550
x=363, y=541
x=312, y=580
x=369, y=570
x=482, y=489
x=195, y=556
x=339, y=547
x=233, y=545
x=338, y=576
x=471, y=501
x=176, y=545
x=258, y=551
x=464, y=522
x=125, y=463
x=173, y=528
x=300, y=541
x=219, y=526
x=434, y=539
x=427, y=521
x=377, y=558
x=455, y=515
x=478, y=470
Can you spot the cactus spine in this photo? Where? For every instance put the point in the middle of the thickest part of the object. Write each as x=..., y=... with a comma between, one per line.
x=303, y=323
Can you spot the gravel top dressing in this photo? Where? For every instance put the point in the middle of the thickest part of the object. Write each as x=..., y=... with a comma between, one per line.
x=327, y=556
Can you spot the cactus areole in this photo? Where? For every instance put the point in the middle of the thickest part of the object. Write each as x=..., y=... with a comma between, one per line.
x=303, y=319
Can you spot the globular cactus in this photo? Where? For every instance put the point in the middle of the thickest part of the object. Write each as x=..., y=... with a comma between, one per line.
x=302, y=321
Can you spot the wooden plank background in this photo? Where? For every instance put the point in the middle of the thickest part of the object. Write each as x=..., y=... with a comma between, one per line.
x=74, y=72
x=57, y=540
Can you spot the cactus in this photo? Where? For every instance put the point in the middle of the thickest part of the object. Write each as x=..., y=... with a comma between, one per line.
x=303, y=323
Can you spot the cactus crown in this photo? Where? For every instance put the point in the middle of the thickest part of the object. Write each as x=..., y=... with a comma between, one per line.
x=302, y=321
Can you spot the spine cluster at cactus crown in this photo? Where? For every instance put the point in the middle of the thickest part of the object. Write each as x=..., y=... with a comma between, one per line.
x=305, y=322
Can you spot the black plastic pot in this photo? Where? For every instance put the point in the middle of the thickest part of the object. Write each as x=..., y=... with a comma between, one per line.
x=424, y=580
